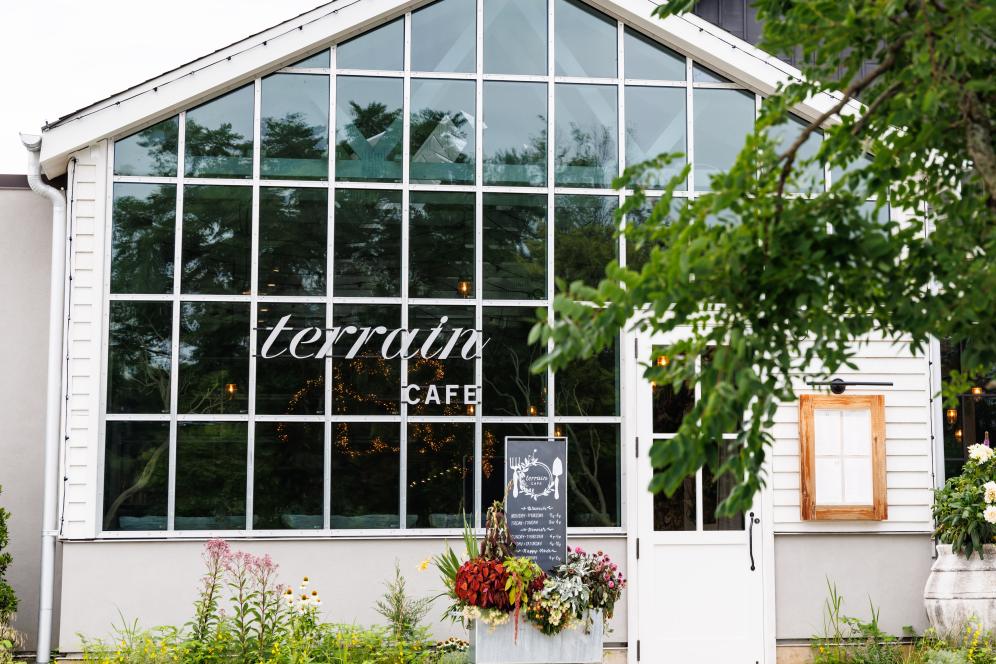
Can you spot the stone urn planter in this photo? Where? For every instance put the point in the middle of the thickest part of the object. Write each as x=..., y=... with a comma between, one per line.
x=960, y=589
x=498, y=645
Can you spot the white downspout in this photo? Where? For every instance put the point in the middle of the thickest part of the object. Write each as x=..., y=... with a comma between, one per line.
x=53, y=405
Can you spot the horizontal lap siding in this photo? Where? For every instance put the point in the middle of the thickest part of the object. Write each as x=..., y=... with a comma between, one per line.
x=81, y=460
x=909, y=457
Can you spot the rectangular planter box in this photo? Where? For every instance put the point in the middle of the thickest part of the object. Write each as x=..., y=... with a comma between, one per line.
x=572, y=646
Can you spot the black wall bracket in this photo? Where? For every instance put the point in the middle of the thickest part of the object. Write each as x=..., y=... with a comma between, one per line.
x=837, y=386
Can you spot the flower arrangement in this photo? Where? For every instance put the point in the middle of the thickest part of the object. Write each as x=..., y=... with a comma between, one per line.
x=965, y=508
x=494, y=586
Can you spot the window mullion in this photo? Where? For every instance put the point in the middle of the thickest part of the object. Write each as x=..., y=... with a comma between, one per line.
x=174, y=386
x=550, y=201
x=329, y=290
x=476, y=510
x=253, y=301
x=405, y=232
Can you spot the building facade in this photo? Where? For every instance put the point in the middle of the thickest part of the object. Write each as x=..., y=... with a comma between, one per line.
x=301, y=274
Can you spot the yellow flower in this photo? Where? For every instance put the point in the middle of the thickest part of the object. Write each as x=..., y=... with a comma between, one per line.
x=424, y=565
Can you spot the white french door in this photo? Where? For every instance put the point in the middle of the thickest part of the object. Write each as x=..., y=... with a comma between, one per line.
x=700, y=586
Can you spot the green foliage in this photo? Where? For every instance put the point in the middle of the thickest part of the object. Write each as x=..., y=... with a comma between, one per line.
x=8, y=600
x=404, y=614
x=779, y=281
x=963, y=508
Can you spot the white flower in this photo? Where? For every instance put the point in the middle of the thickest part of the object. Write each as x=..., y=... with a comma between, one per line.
x=990, y=514
x=980, y=453
x=990, y=491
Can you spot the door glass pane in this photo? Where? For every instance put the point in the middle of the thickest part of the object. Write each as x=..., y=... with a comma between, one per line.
x=590, y=387
x=722, y=120
x=293, y=225
x=444, y=36
x=319, y=60
x=515, y=246
x=809, y=179
x=678, y=511
x=381, y=48
x=367, y=243
x=509, y=387
x=211, y=475
x=585, y=41
x=214, y=357
x=151, y=151
x=441, y=236
x=368, y=129
x=138, y=357
x=294, y=133
x=289, y=475
x=217, y=239
x=515, y=133
x=670, y=406
x=655, y=124
x=144, y=223
x=715, y=490
x=442, y=131
x=286, y=383
x=363, y=381
x=431, y=375
x=584, y=240
x=365, y=472
x=586, y=138
x=136, y=471
x=593, y=462
x=219, y=137
x=493, y=458
x=515, y=37
x=648, y=60
x=440, y=474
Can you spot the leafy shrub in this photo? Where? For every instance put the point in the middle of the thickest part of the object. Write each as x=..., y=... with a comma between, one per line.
x=965, y=508
x=404, y=614
x=8, y=600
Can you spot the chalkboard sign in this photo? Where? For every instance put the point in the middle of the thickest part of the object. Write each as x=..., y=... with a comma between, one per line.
x=536, y=503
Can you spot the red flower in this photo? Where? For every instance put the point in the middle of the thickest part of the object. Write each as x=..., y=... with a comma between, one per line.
x=481, y=583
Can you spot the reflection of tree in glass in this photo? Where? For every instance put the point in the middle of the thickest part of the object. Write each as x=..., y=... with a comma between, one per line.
x=533, y=153
x=373, y=134
x=211, y=474
x=367, y=243
x=441, y=243
x=139, y=357
x=215, y=149
x=161, y=144
x=589, y=387
x=442, y=137
x=514, y=246
x=148, y=470
x=586, y=155
x=293, y=138
x=585, y=242
x=216, y=239
x=144, y=227
x=592, y=474
x=509, y=387
x=214, y=354
x=292, y=247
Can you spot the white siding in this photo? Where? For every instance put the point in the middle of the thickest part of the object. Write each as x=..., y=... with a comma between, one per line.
x=909, y=452
x=88, y=199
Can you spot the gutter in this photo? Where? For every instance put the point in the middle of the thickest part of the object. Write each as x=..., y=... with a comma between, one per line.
x=53, y=406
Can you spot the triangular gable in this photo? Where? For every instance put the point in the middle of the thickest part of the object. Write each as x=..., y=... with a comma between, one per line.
x=241, y=62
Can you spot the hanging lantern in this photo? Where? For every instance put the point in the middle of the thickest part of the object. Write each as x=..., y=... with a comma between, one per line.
x=231, y=389
x=958, y=435
x=951, y=415
x=976, y=391
x=663, y=361
x=463, y=287
x=470, y=409
x=533, y=411
x=558, y=432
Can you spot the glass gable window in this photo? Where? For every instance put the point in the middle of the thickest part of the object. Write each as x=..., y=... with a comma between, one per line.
x=322, y=282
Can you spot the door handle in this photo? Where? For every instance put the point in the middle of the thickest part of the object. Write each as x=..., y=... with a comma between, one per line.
x=750, y=538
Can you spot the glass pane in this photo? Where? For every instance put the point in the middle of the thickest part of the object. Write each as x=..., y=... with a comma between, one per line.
x=722, y=120
x=286, y=383
x=593, y=469
x=441, y=236
x=219, y=137
x=366, y=383
x=289, y=475
x=151, y=151
x=138, y=357
x=585, y=41
x=440, y=474
x=144, y=223
x=214, y=357
x=294, y=134
x=217, y=239
x=702, y=74
x=365, y=475
x=493, y=458
x=136, y=472
x=211, y=475
x=880, y=213
x=515, y=133
x=515, y=246
x=648, y=60
x=838, y=173
x=678, y=511
x=669, y=405
x=637, y=257
x=428, y=377
x=509, y=387
x=589, y=387
x=515, y=37
x=368, y=129
x=655, y=124
x=442, y=131
x=586, y=137
x=319, y=60
x=367, y=243
x=714, y=491
x=293, y=226
x=708, y=385
x=444, y=36
x=381, y=48
x=810, y=179
x=584, y=237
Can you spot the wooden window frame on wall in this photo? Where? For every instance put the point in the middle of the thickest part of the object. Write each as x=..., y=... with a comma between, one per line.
x=879, y=509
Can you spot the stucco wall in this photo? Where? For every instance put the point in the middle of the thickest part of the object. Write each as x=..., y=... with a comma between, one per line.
x=25, y=229
x=890, y=570
x=155, y=582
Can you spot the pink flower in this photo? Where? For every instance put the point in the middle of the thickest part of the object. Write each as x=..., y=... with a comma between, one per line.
x=614, y=567
x=611, y=585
